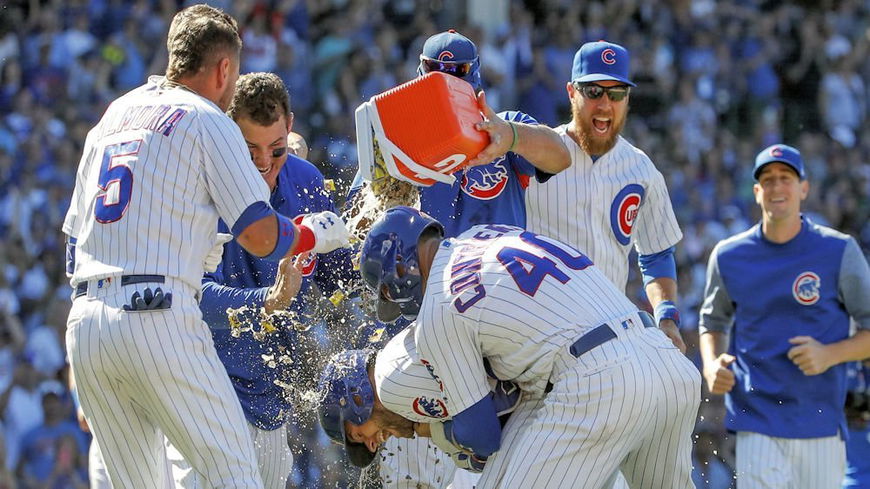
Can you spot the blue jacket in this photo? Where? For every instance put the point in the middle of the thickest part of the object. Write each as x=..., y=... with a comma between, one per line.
x=243, y=279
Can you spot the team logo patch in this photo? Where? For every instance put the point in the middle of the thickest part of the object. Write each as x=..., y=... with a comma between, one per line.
x=806, y=288
x=431, y=370
x=608, y=56
x=309, y=265
x=446, y=56
x=775, y=151
x=486, y=182
x=432, y=408
x=623, y=212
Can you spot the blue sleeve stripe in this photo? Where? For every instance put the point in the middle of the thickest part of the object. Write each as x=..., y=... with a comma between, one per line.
x=252, y=213
x=658, y=265
x=286, y=235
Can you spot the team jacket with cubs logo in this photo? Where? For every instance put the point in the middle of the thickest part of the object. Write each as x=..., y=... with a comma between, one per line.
x=243, y=279
x=764, y=293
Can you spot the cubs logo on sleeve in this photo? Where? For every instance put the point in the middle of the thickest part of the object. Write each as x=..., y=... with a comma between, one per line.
x=623, y=212
x=432, y=408
x=486, y=182
x=806, y=288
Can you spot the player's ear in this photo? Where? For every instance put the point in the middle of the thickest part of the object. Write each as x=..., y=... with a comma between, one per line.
x=290, y=122
x=570, y=88
x=805, y=189
x=756, y=189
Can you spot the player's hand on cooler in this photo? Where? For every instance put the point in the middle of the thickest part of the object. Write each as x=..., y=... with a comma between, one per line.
x=501, y=136
x=812, y=357
x=329, y=230
x=720, y=379
x=670, y=328
x=213, y=259
x=288, y=281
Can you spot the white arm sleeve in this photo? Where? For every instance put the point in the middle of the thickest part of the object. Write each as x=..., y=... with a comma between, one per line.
x=231, y=177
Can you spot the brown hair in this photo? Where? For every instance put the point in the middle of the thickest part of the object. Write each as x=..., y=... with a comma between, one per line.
x=197, y=36
x=262, y=97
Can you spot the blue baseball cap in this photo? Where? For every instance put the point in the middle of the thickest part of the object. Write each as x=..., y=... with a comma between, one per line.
x=781, y=153
x=452, y=47
x=601, y=60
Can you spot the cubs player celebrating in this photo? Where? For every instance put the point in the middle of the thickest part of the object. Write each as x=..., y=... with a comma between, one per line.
x=491, y=190
x=784, y=291
x=396, y=397
x=159, y=168
x=603, y=388
x=261, y=108
x=612, y=196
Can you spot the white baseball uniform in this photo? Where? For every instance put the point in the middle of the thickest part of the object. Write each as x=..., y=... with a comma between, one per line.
x=157, y=170
x=623, y=397
x=405, y=387
x=605, y=206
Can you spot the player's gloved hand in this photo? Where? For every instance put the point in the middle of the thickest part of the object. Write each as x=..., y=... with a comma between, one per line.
x=719, y=378
x=213, y=259
x=149, y=301
x=288, y=281
x=506, y=395
x=328, y=229
x=462, y=457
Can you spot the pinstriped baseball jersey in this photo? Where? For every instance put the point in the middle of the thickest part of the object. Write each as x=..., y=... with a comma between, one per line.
x=606, y=206
x=405, y=387
x=511, y=296
x=157, y=171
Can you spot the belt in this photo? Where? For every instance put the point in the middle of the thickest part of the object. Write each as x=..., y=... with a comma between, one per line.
x=82, y=288
x=600, y=335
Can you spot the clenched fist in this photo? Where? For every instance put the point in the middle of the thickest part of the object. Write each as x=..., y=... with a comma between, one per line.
x=719, y=378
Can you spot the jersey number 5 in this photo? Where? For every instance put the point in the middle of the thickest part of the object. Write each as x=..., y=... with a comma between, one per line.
x=529, y=270
x=116, y=181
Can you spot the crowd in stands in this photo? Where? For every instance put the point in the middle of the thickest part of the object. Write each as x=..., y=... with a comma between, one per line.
x=717, y=81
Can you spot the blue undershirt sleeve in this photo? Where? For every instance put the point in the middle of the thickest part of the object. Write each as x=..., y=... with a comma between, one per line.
x=217, y=298
x=478, y=429
x=658, y=265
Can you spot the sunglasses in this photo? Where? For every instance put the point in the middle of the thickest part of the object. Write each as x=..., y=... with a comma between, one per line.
x=276, y=153
x=593, y=91
x=456, y=69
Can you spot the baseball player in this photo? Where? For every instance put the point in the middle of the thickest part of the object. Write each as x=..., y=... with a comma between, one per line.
x=492, y=191
x=157, y=171
x=603, y=388
x=261, y=108
x=775, y=333
x=612, y=197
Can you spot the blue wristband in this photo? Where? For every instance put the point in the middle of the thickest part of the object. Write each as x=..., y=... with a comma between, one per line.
x=286, y=234
x=667, y=310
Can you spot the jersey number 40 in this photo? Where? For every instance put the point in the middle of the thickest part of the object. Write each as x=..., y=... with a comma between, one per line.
x=529, y=269
x=116, y=181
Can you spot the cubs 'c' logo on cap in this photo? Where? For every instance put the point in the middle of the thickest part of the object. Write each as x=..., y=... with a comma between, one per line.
x=806, y=288
x=309, y=265
x=446, y=56
x=623, y=212
x=608, y=56
x=486, y=182
x=776, y=151
x=432, y=408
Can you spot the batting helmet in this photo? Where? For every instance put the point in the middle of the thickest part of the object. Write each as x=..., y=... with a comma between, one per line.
x=348, y=396
x=389, y=262
x=452, y=53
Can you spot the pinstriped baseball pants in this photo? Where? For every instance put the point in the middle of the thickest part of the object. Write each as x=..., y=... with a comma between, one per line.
x=274, y=459
x=141, y=375
x=766, y=462
x=629, y=405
